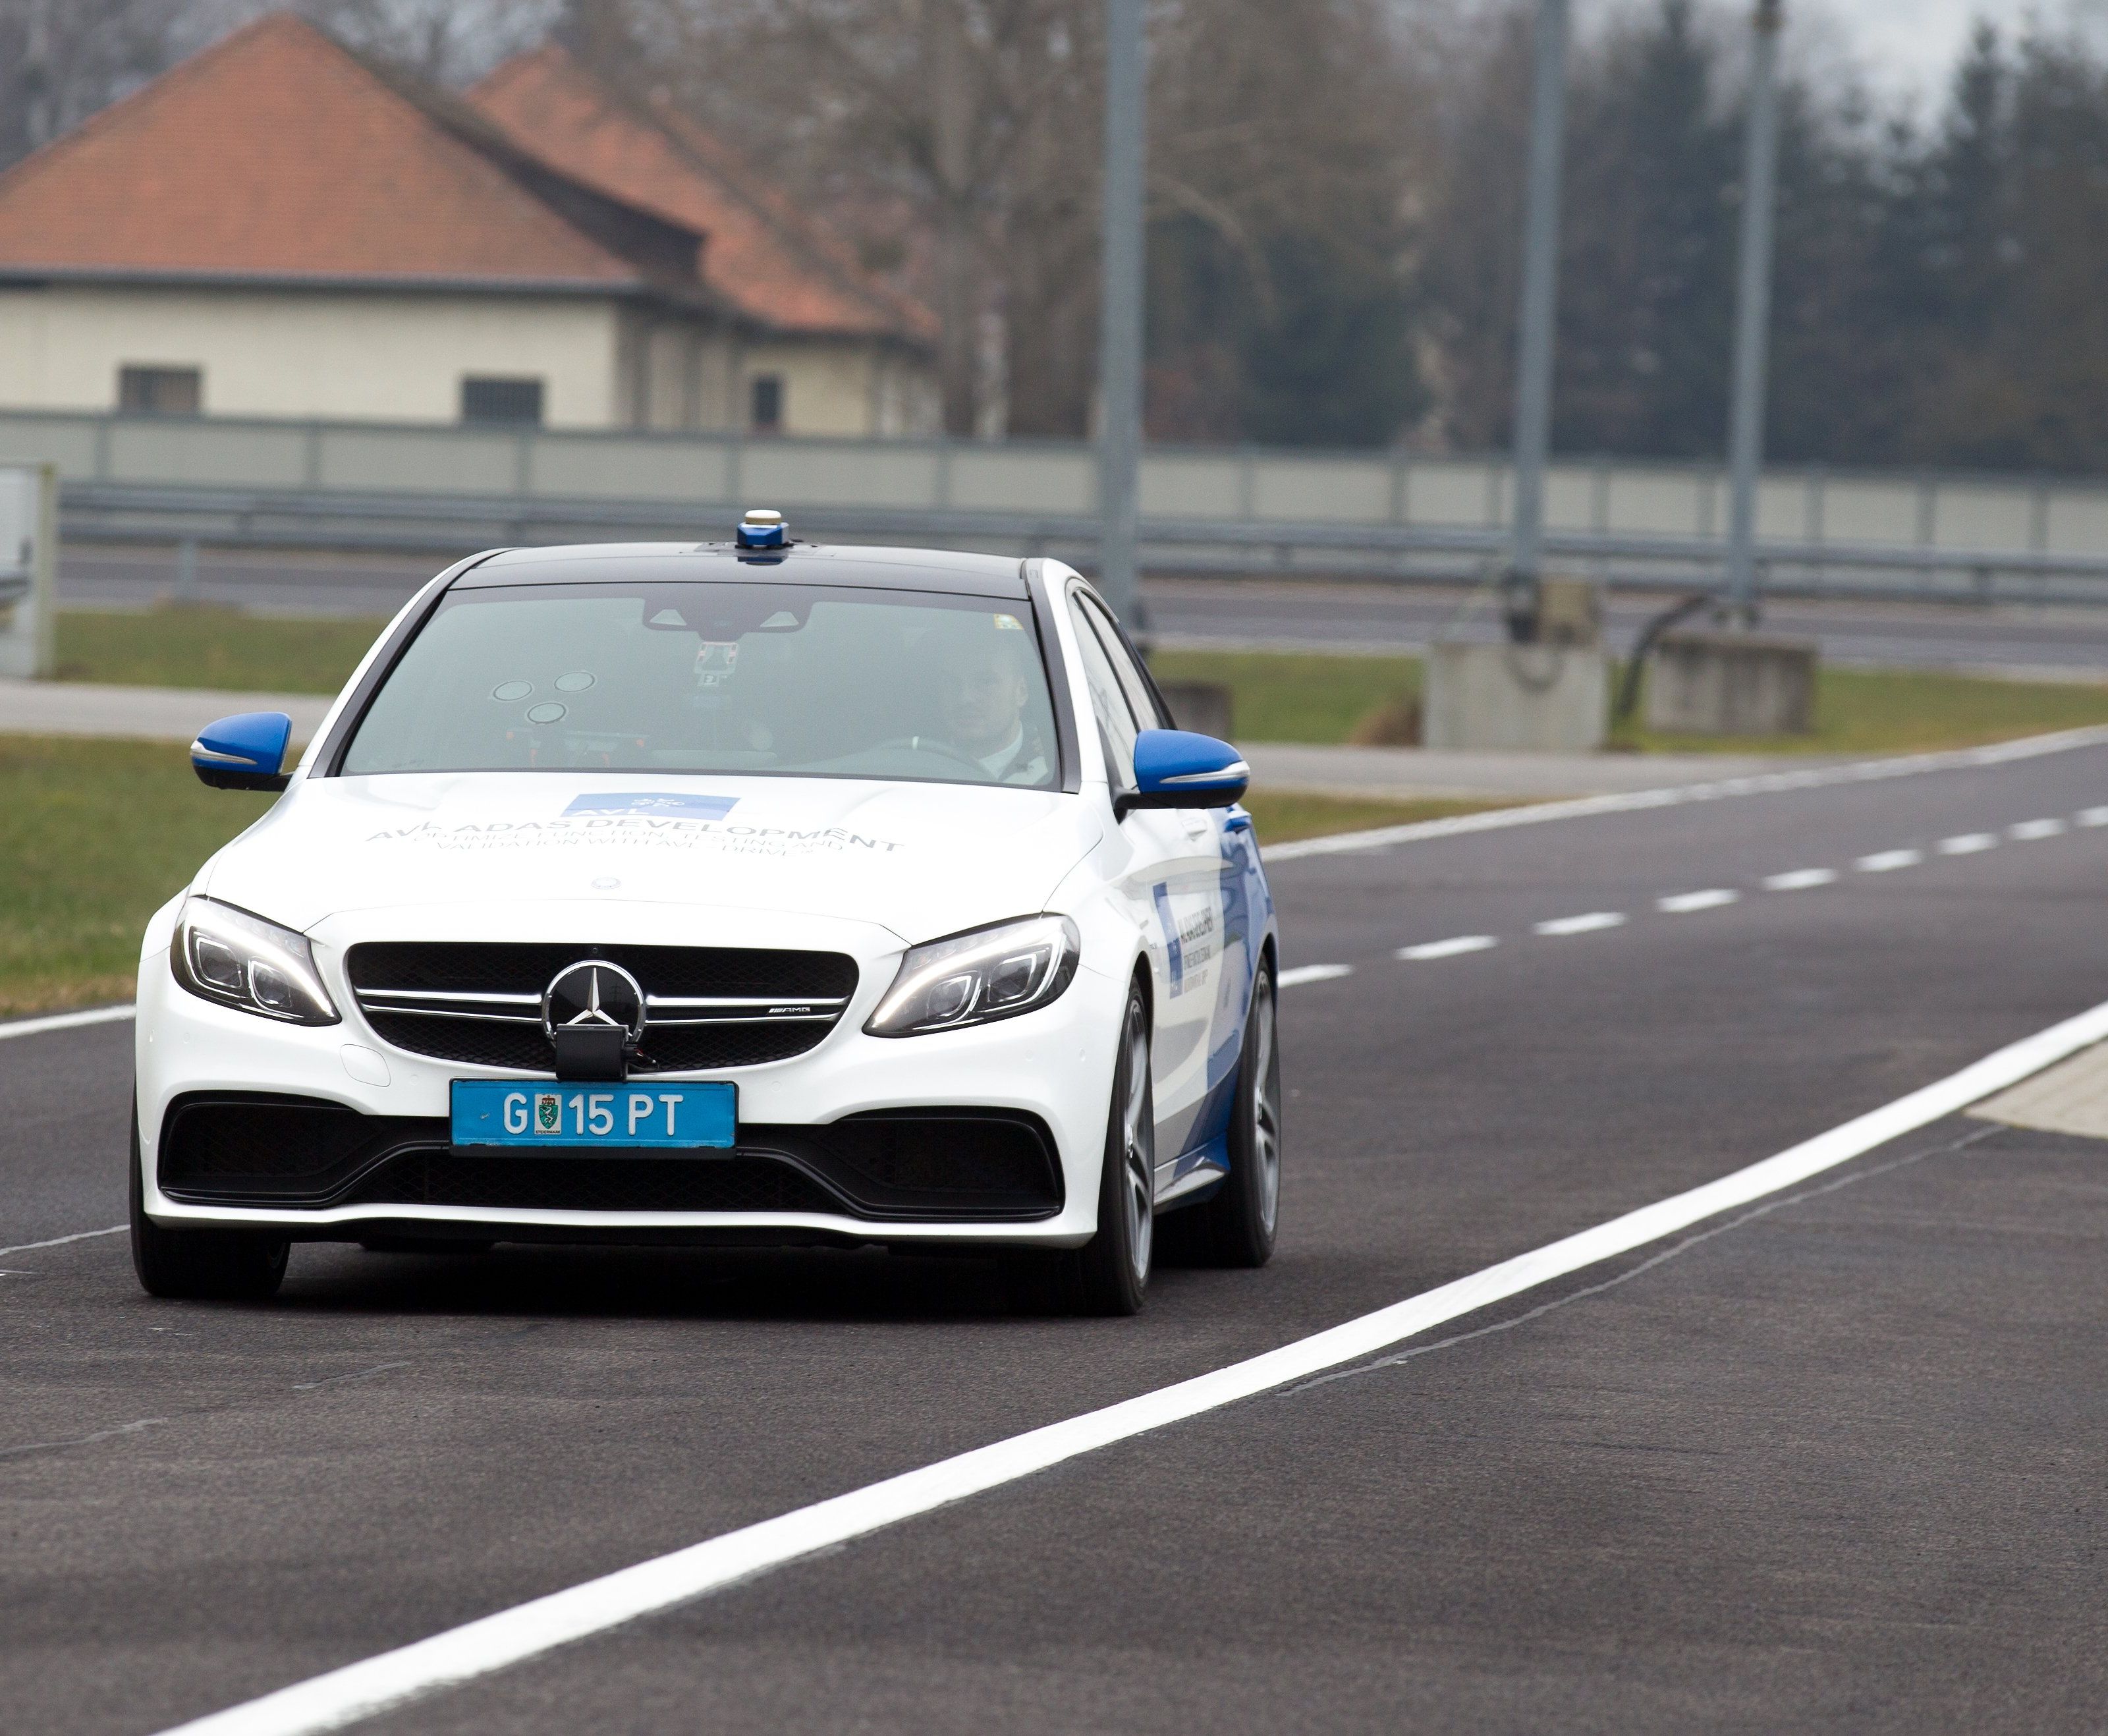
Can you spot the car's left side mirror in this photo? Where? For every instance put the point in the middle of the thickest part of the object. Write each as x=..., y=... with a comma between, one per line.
x=244, y=752
x=1176, y=769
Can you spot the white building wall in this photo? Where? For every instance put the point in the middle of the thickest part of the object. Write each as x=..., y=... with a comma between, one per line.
x=386, y=356
x=854, y=386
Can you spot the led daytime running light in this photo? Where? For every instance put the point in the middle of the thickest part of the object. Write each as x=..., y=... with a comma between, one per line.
x=973, y=979
x=222, y=954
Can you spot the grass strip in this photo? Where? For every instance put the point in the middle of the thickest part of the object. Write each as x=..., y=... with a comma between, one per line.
x=1310, y=696
x=1281, y=816
x=1295, y=696
x=98, y=835
x=207, y=645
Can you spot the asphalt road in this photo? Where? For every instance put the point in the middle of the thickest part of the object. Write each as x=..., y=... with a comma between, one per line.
x=1252, y=612
x=1839, y=1466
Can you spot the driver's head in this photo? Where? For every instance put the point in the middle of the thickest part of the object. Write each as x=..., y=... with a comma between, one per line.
x=982, y=692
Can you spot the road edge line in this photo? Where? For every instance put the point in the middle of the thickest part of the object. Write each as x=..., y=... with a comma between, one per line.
x=373, y=1685
x=1672, y=796
x=63, y=1021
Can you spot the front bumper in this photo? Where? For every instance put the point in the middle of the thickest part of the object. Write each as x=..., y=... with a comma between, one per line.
x=993, y=1133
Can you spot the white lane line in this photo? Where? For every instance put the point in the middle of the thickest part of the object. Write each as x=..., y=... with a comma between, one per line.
x=1679, y=904
x=1581, y=925
x=2091, y=817
x=1449, y=949
x=1800, y=880
x=64, y=1022
x=363, y=1690
x=1888, y=861
x=85, y=1235
x=1763, y=783
x=2027, y=831
x=1968, y=844
x=1312, y=973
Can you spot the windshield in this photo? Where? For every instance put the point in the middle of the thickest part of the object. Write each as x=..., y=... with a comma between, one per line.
x=771, y=679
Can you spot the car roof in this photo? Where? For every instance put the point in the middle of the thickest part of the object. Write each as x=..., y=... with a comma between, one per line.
x=801, y=563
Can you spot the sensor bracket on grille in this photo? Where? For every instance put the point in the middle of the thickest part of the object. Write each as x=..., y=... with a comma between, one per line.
x=591, y=1052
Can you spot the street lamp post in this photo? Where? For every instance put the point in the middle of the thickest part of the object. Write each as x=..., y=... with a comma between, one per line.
x=1753, y=302
x=1120, y=320
x=1540, y=287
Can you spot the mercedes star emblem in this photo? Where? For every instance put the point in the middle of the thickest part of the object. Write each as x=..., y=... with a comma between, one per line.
x=593, y=993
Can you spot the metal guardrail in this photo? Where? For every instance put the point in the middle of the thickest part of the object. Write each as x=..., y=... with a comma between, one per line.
x=440, y=488
x=449, y=523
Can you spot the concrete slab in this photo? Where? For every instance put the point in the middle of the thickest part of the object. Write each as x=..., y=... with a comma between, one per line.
x=141, y=713
x=2072, y=1098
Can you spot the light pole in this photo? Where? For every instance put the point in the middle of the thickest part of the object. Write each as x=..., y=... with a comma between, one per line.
x=1540, y=287
x=1753, y=308
x=1119, y=317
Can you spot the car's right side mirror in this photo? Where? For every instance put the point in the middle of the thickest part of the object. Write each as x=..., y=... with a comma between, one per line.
x=1176, y=769
x=244, y=752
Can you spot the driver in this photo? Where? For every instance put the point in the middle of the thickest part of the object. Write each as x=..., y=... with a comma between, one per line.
x=982, y=690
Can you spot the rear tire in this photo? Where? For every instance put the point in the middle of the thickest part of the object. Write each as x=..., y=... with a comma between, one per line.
x=1235, y=1225
x=201, y=1265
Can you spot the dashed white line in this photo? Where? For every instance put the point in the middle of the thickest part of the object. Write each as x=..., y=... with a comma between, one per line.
x=1968, y=844
x=1449, y=949
x=2027, y=831
x=64, y=1022
x=1888, y=861
x=1313, y=973
x=1800, y=880
x=2091, y=817
x=1581, y=925
x=447, y=1660
x=1680, y=904
x=1813, y=778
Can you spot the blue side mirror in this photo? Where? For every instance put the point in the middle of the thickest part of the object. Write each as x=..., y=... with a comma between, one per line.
x=244, y=752
x=1176, y=769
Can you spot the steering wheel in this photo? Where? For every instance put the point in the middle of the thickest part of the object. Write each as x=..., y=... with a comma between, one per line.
x=923, y=744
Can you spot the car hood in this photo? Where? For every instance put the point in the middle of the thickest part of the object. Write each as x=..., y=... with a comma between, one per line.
x=920, y=860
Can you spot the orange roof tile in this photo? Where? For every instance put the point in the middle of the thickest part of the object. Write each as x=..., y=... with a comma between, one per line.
x=764, y=256
x=278, y=153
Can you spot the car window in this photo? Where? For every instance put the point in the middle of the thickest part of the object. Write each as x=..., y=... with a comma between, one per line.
x=1140, y=699
x=774, y=679
x=1109, y=705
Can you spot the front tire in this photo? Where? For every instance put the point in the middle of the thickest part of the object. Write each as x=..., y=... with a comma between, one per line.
x=1235, y=1226
x=243, y=1266
x=1110, y=1273
x=1112, y=1268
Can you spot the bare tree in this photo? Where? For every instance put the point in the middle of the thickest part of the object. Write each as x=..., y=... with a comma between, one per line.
x=62, y=60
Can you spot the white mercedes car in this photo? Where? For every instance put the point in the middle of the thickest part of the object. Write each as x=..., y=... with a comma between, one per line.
x=750, y=892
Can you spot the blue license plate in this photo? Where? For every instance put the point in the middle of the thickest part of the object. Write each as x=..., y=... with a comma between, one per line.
x=511, y=1112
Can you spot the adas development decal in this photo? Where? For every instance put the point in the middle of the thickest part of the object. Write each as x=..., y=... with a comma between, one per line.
x=671, y=807
x=646, y=819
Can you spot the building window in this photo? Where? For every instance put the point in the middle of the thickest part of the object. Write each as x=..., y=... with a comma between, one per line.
x=160, y=391
x=488, y=400
x=765, y=404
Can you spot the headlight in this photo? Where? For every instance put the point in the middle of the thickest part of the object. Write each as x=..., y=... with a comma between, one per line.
x=992, y=973
x=239, y=960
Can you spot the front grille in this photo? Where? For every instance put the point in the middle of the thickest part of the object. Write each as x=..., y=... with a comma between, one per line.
x=480, y=1002
x=593, y=1181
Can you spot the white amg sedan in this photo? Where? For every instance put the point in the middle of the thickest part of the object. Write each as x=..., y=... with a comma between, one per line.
x=752, y=892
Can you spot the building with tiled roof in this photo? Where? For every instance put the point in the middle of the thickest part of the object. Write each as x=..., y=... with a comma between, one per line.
x=277, y=227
